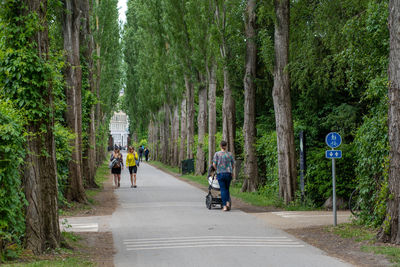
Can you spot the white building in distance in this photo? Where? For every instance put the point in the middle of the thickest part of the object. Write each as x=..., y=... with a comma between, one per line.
x=119, y=128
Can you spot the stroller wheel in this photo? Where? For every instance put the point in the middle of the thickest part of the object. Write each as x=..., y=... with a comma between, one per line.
x=208, y=201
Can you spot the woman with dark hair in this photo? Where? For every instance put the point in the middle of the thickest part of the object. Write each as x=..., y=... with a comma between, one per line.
x=223, y=164
x=117, y=166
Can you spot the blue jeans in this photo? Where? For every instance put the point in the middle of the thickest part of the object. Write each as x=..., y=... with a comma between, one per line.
x=224, y=180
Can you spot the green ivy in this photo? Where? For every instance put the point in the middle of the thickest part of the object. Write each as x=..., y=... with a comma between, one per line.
x=12, y=153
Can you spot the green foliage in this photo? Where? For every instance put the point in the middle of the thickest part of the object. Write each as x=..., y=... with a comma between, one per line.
x=12, y=153
x=62, y=137
x=372, y=148
x=266, y=147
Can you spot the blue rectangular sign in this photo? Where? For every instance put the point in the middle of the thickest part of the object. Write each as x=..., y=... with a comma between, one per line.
x=333, y=154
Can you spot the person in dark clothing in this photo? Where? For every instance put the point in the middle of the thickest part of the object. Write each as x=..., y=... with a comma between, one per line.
x=117, y=166
x=140, y=153
x=146, y=153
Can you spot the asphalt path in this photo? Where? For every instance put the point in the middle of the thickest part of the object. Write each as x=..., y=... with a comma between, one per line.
x=164, y=222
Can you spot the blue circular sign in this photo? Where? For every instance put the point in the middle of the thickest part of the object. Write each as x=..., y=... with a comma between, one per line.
x=333, y=140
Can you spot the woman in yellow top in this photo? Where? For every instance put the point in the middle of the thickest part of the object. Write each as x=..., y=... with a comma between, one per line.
x=131, y=164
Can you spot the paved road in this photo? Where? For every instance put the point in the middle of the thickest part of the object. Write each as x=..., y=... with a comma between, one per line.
x=164, y=222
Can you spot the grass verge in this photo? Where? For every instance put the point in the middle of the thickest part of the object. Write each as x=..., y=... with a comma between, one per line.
x=102, y=175
x=261, y=199
x=58, y=258
x=367, y=235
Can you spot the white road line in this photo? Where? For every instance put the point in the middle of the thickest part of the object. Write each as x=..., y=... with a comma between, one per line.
x=299, y=215
x=217, y=245
x=203, y=240
x=205, y=237
x=214, y=242
x=161, y=205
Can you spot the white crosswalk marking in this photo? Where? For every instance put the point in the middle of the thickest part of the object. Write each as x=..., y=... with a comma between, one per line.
x=301, y=215
x=209, y=241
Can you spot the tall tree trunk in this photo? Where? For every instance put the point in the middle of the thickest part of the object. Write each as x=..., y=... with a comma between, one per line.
x=166, y=131
x=282, y=104
x=249, y=126
x=73, y=77
x=175, y=152
x=390, y=231
x=228, y=115
x=212, y=111
x=228, y=105
x=158, y=140
x=40, y=175
x=87, y=43
x=201, y=126
x=98, y=116
x=190, y=117
x=182, y=147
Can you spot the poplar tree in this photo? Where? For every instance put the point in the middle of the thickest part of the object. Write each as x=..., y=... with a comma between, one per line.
x=30, y=86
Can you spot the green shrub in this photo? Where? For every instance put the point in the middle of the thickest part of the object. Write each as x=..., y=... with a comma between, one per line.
x=318, y=179
x=12, y=154
x=62, y=137
x=268, y=162
x=372, y=148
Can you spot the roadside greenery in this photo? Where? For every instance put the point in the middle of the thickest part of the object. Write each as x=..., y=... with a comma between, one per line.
x=12, y=199
x=338, y=68
x=367, y=235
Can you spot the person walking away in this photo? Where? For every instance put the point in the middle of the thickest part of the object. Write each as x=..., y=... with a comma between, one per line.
x=117, y=166
x=146, y=153
x=223, y=164
x=140, y=153
x=131, y=159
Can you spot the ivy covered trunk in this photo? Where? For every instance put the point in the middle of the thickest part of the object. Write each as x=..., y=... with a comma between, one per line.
x=87, y=43
x=249, y=126
x=73, y=77
x=98, y=116
x=201, y=126
x=212, y=111
x=40, y=175
x=390, y=231
x=282, y=104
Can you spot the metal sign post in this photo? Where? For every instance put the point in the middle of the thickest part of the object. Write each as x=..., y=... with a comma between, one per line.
x=333, y=140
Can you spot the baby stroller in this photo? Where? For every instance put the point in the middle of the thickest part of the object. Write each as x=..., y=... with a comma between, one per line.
x=214, y=195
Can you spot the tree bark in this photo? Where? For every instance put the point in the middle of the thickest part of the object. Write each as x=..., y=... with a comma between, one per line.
x=202, y=127
x=390, y=231
x=282, y=104
x=250, y=183
x=40, y=175
x=87, y=43
x=165, y=130
x=175, y=152
x=98, y=116
x=182, y=147
x=212, y=111
x=228, y=105
x=73, y=78
x=190, y=117
x=228, y=115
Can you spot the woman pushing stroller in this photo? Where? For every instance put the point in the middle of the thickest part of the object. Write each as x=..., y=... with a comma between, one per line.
x=223, y=164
